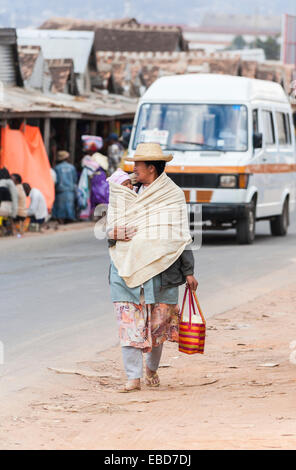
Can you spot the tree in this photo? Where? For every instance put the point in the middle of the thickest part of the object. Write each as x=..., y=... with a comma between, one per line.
x=271, y=47
x=238, y=43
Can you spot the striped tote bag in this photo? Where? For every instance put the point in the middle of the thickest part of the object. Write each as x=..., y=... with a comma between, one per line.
x=191, y=334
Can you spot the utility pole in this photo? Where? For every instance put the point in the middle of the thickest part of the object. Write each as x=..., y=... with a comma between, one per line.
x=127, y=8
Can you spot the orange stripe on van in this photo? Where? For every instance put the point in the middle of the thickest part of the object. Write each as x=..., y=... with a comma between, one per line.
x=272, y=168
x=187, y=195
x=128, y=167
x=197, y=169
x=263, y=168
x=203, y=196
x=206, y=169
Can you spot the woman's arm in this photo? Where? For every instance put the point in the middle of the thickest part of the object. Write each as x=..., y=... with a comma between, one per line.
x=187, y=268
x=187, y=263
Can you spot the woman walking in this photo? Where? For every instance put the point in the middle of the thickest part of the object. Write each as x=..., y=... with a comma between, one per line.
x=148, y=234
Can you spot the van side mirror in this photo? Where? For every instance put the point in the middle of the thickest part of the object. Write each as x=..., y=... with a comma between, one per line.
x=257, y=140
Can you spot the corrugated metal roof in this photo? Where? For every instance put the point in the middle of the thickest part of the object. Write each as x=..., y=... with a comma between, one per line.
x=7, y=36
x=9, y=64
x=75, y=45
x=21, y=101
x=8, y=67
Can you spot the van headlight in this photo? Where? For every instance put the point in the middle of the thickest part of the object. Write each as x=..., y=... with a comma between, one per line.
x=228, y=181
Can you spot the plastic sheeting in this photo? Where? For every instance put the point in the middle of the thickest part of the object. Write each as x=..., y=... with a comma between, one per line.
x=23, y=152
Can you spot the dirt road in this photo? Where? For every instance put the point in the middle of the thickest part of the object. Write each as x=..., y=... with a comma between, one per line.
x=239, y=395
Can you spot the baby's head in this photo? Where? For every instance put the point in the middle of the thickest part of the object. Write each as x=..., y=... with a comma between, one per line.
x=122, y=178
x=128, y=184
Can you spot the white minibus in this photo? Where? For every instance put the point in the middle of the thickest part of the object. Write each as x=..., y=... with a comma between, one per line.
x=233, y=143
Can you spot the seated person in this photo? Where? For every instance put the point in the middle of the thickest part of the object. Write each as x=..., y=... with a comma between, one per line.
x=8, y=195
x=38, y=209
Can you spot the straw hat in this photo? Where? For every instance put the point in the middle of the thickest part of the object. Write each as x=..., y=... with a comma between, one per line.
x=62, y=155
x=147, y=152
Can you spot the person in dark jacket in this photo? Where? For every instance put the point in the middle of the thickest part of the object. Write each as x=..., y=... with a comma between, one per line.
x=148, y=314
x=66, y=183
x=8, y=195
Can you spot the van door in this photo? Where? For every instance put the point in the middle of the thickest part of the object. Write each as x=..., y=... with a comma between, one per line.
x=258, y=177
x=269, y=161
x=284, y=179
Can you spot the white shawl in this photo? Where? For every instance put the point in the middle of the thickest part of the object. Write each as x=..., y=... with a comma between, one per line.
x=160, y=215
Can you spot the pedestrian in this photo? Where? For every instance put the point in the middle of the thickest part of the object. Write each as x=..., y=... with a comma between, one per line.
x=65, y=189
x=99, y=188
x=37, y=211
x=8, y=195
x=148, y=265
x=126, y=135
x=22, y=201
x=91, y=163
x=115, y=151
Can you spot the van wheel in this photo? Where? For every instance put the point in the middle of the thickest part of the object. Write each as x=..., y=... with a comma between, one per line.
x=279, y=224
x=245, y=229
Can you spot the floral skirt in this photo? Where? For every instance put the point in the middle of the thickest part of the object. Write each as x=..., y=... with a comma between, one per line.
x=144, y=326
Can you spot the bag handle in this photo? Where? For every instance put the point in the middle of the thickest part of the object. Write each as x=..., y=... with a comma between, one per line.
x=191, y=306
x=183, y=304
x=192, y=297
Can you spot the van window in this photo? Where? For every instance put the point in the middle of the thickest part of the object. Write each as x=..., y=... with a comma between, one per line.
x=255, y=121
x=288, y=123
x=282, y=126
x=268, y=128
x=194, y=127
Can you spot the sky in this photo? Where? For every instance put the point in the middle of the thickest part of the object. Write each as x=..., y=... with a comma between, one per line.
x=18, y=13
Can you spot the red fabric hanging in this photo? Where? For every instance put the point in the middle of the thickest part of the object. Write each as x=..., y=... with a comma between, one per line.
x=23, y=152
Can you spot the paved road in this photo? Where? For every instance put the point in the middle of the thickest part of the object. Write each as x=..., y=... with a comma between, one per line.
x=55, y=305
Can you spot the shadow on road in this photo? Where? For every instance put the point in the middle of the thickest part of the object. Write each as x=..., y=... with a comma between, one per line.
x=229, y=238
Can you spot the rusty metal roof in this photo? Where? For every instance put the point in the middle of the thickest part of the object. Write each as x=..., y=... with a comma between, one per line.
x=84, y=25
x=97, y=105
x=139, y=38
x=62, y=71
x=27, y=58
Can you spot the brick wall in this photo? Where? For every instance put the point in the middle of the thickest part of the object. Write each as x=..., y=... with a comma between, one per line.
x=130, y=73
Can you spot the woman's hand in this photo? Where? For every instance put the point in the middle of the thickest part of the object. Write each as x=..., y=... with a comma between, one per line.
x=192, y=282
x=122, y=233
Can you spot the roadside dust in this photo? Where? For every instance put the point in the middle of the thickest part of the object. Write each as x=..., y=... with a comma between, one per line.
x=52, y=227
x=239, y=395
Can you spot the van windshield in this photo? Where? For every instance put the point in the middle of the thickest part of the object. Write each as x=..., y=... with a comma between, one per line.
x=194, y=127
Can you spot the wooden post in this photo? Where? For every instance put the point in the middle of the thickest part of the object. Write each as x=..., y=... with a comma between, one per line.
x=72, y=139
x=93, y=128
x=112, y=127
x=46, y=135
